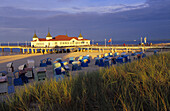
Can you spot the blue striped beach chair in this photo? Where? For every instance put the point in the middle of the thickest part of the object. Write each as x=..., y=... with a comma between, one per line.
x=110, y=54
x=43, y=63
x=97, y=61
x=48, y=62
x=71, y=59
x=76, y=65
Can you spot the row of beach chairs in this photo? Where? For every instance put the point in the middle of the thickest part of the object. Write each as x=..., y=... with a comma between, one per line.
x=109, y=59
x=60, y=68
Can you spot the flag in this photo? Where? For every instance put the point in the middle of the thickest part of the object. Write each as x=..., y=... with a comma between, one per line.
x=110, y=40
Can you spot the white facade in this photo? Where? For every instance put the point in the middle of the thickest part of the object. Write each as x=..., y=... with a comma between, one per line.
x=61, y=40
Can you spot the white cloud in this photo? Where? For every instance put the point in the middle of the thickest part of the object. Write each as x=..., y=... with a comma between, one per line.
x=13, y=29
x=103, y=9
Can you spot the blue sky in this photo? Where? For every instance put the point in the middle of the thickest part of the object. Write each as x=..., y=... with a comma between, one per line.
x=97, y=19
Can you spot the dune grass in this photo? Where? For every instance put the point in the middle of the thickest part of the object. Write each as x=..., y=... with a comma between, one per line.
x=141, y=85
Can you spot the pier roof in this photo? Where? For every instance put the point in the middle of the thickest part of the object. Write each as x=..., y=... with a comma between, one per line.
x=48, y=35
x=61, y=38
x=80, y=35
x=35, y=36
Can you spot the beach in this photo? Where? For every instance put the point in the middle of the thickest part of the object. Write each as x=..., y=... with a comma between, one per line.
x=22, y=59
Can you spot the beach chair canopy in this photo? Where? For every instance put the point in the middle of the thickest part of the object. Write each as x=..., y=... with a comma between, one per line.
x=58, y=59
x=21, y=67
x=64, y=63
x=3, y=73
x=9, y=65
x=155, y=51
x=140, y=52
x=125, y=56
x=88, y=55
x=71, y=58
x=133, y=51
x=49, y=59
x=16, y=74
x=106, y=54
x=30, y=61
x=110, y=54
x=57, y=65
x=120, y=58
x=43, y=61
x=97, y=58
x=85, y=60
x=3, y=78
x=123, y=53
x=116, y=53
x=76, y=62
x=80, y=58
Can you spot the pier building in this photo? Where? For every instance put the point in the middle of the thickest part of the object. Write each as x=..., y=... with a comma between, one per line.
x=58, y=41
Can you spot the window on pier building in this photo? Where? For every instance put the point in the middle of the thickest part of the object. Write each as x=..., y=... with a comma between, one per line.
x=55, y=42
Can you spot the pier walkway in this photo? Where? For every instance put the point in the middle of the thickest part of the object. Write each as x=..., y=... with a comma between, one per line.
x=91, y=48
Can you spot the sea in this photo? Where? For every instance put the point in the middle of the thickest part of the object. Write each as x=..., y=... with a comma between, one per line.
x=17, y=51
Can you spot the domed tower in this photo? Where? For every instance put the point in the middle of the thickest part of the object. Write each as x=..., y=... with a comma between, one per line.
x=48, y=37
x=35, y=37
x=80, y=36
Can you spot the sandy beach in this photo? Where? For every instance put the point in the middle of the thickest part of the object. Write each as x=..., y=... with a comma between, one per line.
x=22, y=59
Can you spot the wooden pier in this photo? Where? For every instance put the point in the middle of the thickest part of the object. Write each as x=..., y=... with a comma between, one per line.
x=45, y=50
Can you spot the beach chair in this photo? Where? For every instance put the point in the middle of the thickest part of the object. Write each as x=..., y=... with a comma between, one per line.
x=22, y=73
x=113, y=61
x=29, y=73
x=139, y=56
x=101, y=62
x=87, y=55
x=110, y=54
x=84, y=63
x=97, y=61
x=41, y=73
x=76, y=65
x=30, y=63
x=43, y=63
x=106, y=55
x=65, y=66
x=116, y=54
x=143, y=55
x=88, y=58
x=100, y=56
x=80, y=58
x=123, y=53
x=17, y=80
x=58, y=60
x=127, y=59
x=48, y=62
x=58, y=70
x=11, y=88
x=107, y=63
x=134, y=55
x=120, y=60
x=71, y=59
x=10, y=67
x=155, y=52
x=3, y=82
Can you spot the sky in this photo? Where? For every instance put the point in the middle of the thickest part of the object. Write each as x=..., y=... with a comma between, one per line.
x=95, y=19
